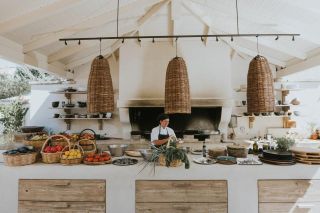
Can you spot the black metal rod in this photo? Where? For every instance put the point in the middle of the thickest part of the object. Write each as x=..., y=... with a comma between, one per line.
x=237, y=16
x=181, y=36
x=118, y=18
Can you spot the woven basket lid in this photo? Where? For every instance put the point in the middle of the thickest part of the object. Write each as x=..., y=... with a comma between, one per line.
x=177, y=92
x=260, y=91
x=100, y=96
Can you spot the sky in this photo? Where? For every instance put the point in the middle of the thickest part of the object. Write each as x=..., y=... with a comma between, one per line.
x=4, y=64
x=7, y=66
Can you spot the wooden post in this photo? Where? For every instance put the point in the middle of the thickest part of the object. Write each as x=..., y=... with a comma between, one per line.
x=251, y=121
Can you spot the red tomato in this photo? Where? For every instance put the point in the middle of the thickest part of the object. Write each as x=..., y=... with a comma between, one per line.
x=59, y=148
x=47, y=149
x=53, y=149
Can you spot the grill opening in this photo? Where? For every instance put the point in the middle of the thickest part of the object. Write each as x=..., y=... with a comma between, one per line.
x=201, y=120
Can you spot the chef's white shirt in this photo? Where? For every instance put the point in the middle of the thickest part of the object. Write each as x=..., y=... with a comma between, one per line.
x=163, y=131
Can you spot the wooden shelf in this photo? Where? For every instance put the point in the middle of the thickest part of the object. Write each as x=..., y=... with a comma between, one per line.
x=262, y=116
x=82, y=118
x=77, y=92
x=69, y=94
x=67, y=107
x=68, y=121
x=288, y=89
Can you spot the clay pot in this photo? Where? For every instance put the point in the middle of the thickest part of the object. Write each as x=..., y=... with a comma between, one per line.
x=295, y=101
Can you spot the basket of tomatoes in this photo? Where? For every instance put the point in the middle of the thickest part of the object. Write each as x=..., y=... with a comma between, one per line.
x=98, y=159
x=50, y=153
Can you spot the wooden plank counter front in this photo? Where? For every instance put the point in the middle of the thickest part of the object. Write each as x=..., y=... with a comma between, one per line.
x=62, y=195
x=197, y=196
x=282, y=196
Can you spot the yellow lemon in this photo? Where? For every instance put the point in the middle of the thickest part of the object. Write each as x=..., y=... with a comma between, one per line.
x=67, y=153
x=78, y=155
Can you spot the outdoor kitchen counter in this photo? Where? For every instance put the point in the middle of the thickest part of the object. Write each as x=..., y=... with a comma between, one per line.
x=120, y=181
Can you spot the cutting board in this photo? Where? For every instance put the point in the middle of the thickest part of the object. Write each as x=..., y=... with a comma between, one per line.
x=306, y=155
x=310, y=162
x=306, y=151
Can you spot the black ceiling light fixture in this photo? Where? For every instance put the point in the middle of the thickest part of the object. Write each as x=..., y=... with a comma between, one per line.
x=201, y=36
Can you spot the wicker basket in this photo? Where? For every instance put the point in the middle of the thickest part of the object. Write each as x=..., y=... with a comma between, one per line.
x=88, y=146
x=100, y=96
x=238, y=151
x=61, y=141
x=260, y=92
x=174, y=163
x=74, y=161
x=36, y=144
x=20, y=159
x=215, y=152
x=51, y=157
x=177, y=92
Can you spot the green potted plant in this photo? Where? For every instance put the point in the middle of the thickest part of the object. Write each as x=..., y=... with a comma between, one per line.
x=284, y=144
x=170, y=155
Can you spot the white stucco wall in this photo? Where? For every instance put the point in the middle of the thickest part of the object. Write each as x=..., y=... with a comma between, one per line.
x=143, y=69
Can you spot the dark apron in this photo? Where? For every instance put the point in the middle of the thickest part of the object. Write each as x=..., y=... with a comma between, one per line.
x=161, y=136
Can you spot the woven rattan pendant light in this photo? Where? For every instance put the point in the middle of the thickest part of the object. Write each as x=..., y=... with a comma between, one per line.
x=100, y=96
x=260, y=91
x=177, y=92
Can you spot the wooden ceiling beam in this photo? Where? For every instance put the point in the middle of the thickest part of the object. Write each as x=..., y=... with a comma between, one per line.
x=252, y=53
x=12, y=51
x=278, y=47
x=171, y=20
x=309, y=63
x=90, y=23
x=116, y=45
x=36, y=15
x=153, y=10
x=70, y=50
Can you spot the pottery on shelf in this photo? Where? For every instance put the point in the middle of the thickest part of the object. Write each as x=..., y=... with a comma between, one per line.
x=295, y=101
x=55, y=104
x=296, y=113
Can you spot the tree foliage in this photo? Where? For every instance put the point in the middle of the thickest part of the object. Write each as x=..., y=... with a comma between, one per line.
x=12, y=116
x=11, y=86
